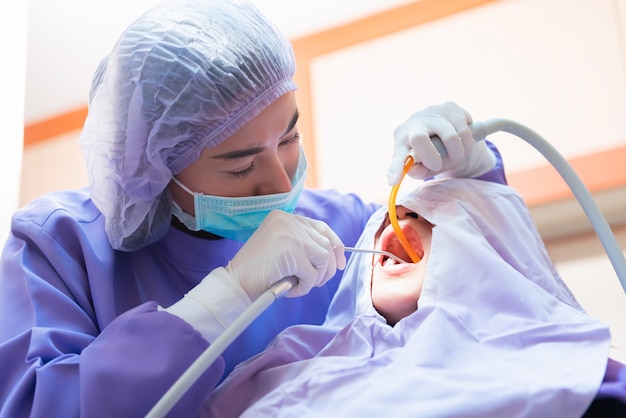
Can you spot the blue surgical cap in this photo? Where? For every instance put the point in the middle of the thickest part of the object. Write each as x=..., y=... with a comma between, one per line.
x=183, y=77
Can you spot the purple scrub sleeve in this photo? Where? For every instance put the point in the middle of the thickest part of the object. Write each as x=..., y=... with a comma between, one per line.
x=81, y=333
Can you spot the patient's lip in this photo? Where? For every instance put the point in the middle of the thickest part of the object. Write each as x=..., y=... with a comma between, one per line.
x=397, y=269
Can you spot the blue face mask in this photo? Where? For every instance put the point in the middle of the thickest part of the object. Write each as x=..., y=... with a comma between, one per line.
x=237, y=218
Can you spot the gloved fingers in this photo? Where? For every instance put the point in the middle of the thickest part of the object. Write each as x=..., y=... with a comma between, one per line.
x=449, y=123
x=396, y=165
x=424, y=151
x=459, y=143
x=340, y=256
x=296, y=246
x=418, y=171
x=318, y=253
x=455, y=148
x=413, y=138
x=313, y=268
x=458, y=116
x=330, y=241
x=468, y=139
x=306, y=274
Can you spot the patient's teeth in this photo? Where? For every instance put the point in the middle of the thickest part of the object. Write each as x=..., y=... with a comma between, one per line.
x=389, y=261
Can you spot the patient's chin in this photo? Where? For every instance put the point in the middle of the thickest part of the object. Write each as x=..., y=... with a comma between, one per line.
x=396, y=316
x=394, y=307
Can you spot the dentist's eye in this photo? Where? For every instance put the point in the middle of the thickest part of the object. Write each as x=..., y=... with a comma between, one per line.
x=292, y=140
x=243, y=173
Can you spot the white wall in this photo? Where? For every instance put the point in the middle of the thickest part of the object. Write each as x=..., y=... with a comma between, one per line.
x=13, y=29
x=52, y=165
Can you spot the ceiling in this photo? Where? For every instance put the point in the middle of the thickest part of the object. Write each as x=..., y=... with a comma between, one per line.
x=68, y=38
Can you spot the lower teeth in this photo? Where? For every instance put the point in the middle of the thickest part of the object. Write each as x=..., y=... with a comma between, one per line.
x=389, y=261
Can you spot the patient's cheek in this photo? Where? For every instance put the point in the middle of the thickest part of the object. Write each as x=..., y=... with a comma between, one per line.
x=395, y=302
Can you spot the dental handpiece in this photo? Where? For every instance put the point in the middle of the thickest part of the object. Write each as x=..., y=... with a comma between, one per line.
x=479, y=132
x=366, y=251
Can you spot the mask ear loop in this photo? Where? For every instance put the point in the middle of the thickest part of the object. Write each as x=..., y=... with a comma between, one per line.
x=393, y=217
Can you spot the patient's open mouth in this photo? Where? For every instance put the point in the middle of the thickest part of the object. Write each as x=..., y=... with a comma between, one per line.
x=396, y=250
x=392, y=244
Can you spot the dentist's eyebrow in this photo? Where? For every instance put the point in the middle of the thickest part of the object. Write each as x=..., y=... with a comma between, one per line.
x=294, y=120
x=231, y=155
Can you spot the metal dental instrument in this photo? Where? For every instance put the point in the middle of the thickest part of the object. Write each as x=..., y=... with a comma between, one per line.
x=363, y=250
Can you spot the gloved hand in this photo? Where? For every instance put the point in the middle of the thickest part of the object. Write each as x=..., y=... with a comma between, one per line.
x=287, y=245
x=450, y=123
x=284, y=245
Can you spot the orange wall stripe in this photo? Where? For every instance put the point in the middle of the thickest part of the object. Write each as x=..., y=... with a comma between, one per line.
x=599, y=172
x=381, y=24
x=43, y=130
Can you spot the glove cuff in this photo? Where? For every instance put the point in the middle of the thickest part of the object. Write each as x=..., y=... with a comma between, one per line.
x=480, y=161
x=215, y=303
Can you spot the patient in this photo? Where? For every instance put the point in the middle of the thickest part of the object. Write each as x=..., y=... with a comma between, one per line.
x=396, y=287
x=481, y=326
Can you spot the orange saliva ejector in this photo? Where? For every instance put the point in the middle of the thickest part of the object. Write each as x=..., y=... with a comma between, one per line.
x=393, y=216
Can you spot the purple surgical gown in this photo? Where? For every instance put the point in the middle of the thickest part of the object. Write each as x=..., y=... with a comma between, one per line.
x=81, y=333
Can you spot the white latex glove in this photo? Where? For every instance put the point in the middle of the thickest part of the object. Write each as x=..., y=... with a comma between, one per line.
x=450, y=123
x=288, y=245
x=284, y=245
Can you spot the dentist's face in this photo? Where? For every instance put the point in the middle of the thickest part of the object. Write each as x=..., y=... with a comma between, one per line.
x=260, y=158
x=397, y=287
